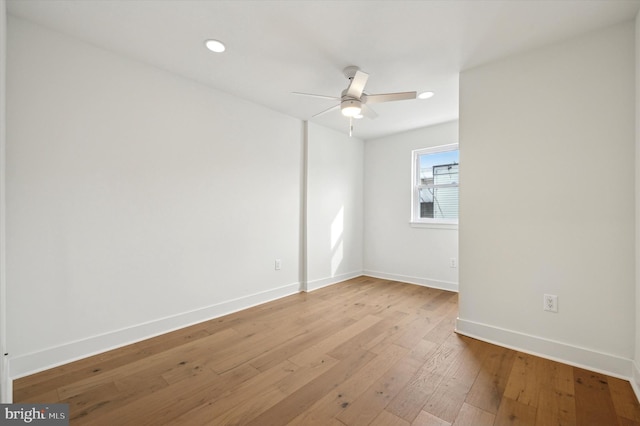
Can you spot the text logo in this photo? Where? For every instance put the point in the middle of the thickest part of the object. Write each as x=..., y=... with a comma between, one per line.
x=34, y=414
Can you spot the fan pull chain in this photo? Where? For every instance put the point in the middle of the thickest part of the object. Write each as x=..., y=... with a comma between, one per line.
x=350, y=126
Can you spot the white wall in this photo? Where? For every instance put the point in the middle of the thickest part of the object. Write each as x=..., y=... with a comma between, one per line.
x=536, y=216
x=635, y=378
x=334, y=207
x=393, y=249
x=5, y=383
x=138, y=201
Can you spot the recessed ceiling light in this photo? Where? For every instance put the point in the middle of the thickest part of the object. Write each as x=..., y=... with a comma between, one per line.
x=425, y=95
x=215, y=46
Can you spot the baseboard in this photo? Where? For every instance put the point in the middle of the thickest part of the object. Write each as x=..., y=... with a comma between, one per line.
x=324, y=282
x=6, y=393
x=635, y=379
x=27, y=364
x=589, y=359
x=425, y=282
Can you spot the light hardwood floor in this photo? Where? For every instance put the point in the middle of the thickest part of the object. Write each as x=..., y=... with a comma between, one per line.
x=362, y=352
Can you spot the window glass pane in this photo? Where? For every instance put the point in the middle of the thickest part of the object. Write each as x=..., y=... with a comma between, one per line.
x=435, y=196
x=439, y=203
x=440, y=161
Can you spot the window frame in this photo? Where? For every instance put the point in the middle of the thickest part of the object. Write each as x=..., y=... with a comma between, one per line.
x=417, y=221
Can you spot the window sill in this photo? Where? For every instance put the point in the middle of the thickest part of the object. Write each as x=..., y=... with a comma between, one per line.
x=435, y=225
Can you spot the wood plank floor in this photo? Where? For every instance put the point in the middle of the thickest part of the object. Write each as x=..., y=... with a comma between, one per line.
x=362, y=352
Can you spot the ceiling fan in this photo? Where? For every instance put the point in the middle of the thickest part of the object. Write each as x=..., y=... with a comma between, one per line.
x=354, y=100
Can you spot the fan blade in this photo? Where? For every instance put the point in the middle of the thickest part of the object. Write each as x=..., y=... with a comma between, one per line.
x=387, y=97
x=356, y=87
x=333, y=98
x=326, y=111
x=369, y=112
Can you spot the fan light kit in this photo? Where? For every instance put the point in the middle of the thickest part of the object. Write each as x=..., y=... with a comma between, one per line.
x=354, y=101
x=215, y=46
x=351, y=107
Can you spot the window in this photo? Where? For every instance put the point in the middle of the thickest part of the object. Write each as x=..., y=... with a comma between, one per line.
x=435, y=185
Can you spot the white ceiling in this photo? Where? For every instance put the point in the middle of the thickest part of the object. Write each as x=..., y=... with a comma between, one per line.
x=277, y=47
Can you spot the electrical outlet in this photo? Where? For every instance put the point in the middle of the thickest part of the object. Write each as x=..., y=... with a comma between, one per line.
x=453, y=262
x=550, y=303
x=278, y=264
